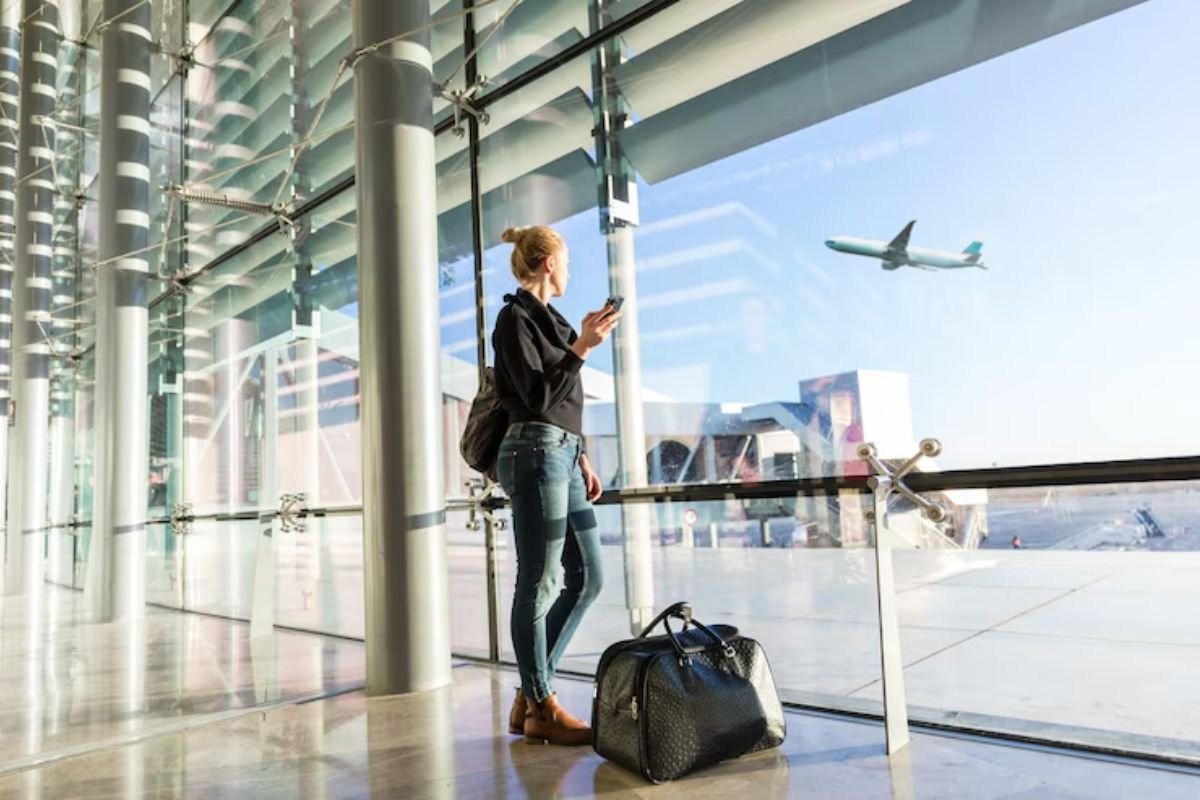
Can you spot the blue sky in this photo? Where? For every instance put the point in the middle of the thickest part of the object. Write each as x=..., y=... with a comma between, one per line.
x=1074, y=159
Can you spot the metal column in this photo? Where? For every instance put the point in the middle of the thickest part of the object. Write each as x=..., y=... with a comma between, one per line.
x=404, y=515
x=490, y=542
x=116, y=577
x=60, y=555
x=10, y=62
x=884, y=483
x=618, y=216
x=304, y=354
x=895, y=704
x=31, y=298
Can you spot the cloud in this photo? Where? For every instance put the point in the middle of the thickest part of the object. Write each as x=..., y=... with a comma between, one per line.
x=694, y=294
x=1151, y=200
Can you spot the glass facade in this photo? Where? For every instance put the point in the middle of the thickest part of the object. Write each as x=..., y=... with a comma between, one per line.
x=742, y=173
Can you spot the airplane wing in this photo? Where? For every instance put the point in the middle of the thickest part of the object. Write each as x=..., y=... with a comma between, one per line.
x=900, y=243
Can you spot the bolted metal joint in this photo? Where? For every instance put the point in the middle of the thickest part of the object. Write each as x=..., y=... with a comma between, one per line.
x=176, y=286
x=181, y=519
x=463, y=101
x=292, y=511
x=887, y=481
x=185, y=58
x=479, y=505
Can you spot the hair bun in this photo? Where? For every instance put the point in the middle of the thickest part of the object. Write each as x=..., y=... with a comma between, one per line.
x=512, y=235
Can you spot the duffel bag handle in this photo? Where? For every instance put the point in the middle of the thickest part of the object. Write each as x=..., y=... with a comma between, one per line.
x=683, y=611
x=687, y=650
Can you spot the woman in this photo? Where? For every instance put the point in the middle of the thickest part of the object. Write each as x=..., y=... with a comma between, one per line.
x=545, y=472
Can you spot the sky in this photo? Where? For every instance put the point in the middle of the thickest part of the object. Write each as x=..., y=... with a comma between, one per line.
x=1075, y=161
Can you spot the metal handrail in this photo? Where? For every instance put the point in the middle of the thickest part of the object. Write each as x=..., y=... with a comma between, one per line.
x=1066, y=474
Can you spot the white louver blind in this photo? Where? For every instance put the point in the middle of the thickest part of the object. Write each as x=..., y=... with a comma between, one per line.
x=732, y=83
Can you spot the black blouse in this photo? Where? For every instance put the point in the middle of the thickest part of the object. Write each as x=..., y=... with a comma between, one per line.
x=537, y=373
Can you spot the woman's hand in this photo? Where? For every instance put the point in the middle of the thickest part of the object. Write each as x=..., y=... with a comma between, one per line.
x=590, y=479
x=597, y=325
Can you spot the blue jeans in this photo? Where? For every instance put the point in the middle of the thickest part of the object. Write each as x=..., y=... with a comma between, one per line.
x=553, y=523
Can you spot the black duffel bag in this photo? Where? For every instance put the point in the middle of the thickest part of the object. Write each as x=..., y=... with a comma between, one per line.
x=666, y=705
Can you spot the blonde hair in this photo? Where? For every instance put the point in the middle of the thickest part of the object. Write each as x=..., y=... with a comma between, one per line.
x=531, y=247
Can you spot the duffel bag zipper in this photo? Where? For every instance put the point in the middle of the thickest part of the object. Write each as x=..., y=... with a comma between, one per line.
x=633, y=708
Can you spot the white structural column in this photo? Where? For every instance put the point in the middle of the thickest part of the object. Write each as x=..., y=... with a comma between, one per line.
x=10, y=63
x=32, y=289
x=895, y=702
x=116, y=577
x=404, y=510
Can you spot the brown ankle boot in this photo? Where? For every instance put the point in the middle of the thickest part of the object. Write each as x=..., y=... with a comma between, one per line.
x=549, y=723
x=516, y=717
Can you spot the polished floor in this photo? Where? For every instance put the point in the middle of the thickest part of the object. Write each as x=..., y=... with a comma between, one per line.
x=452, y=744
x=184, y=705
x=68, y=687
x=1066, y=645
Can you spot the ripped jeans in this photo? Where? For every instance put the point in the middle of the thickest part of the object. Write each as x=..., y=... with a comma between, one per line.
x=553, y=523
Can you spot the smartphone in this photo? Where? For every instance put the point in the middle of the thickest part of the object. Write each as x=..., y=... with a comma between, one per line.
x=615, y=301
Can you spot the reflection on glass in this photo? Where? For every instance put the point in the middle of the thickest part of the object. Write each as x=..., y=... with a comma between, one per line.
x=165, y=561
x=166, y=406
x=218, y=574
x=319, y=577
x=233, y=315
x=516, y=37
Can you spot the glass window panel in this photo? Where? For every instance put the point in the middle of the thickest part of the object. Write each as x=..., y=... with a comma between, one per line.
x=514, y=37
x=164, y=566
x=240, y=102
x=219, y=568
x=84, y=438
x=319, y=577
x=326, y=289
x=319, y=400
x=752, y=329
x=323, y=41
x=264, y=97
x=747, y=306
x=539, y=169
x=235, y=316
x=1073, y=598
x=60, y=555
x=467, y=558
x=167, y=216
x=813, y=608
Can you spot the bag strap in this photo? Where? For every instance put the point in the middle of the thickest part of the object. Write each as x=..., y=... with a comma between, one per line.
x=683, y=611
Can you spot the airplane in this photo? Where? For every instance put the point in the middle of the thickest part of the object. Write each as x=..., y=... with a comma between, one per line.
x=897, y=253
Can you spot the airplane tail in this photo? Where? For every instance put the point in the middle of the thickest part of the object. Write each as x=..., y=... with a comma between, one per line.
x=973, y=251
